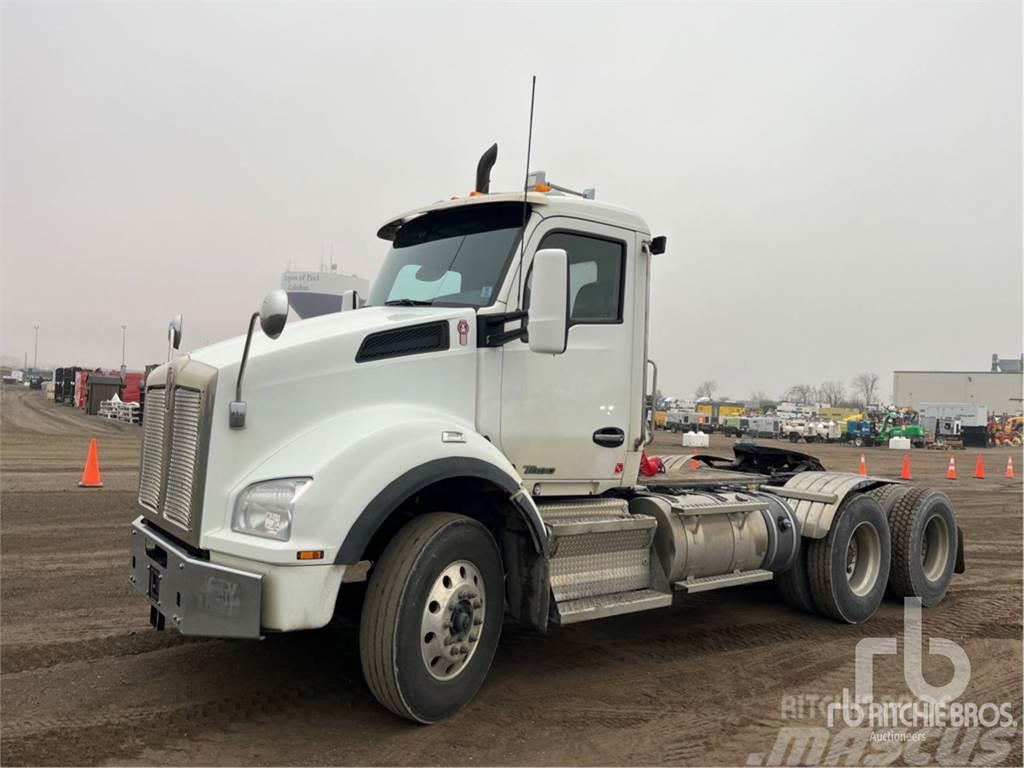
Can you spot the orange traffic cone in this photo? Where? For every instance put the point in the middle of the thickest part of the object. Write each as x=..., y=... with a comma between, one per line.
x=1009, y=466
x=905, y=472
x=979, y=469
x=863, y=469
x=91, y=473
x=951, y=472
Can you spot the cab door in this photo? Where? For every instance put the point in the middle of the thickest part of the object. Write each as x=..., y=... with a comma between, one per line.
x=566, y=420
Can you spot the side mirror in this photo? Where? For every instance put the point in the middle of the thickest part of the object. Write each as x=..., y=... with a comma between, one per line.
x=274, y=313
x=174, y=332
x=349, y=300
x=173, y=336
x=549, y=301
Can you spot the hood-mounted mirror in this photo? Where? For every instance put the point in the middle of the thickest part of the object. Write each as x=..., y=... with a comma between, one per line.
x=173, y=335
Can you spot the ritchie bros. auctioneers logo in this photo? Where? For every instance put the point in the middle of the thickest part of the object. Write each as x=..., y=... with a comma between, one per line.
x=933, y=726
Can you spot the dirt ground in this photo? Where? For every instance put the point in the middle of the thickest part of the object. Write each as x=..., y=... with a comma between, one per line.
x=86, y=681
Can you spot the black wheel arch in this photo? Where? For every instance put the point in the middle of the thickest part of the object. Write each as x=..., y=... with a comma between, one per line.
x=477, y=489
x=432, y=473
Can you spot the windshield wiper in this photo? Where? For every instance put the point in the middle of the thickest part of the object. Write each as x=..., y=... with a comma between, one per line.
x=407, y=303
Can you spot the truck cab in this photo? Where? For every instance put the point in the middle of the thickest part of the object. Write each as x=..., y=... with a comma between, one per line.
x=469, y=443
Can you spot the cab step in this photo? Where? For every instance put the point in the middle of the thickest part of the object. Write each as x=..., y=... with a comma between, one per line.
x=708, y=583
x=597, y=549
x=603, y=606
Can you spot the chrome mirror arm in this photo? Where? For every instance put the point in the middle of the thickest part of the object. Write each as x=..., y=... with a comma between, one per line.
x=236, y=408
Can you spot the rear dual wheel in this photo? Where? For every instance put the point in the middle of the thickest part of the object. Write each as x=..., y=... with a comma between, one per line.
x=843, y=575
x=924, y=545
x=849, y=568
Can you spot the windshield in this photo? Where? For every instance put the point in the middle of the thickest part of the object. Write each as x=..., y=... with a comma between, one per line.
x=456, y=257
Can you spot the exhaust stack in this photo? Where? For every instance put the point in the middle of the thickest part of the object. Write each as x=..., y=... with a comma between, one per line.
x=483, y=169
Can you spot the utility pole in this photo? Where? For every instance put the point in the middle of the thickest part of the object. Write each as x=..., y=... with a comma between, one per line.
x=124, y=368
x=35, y=353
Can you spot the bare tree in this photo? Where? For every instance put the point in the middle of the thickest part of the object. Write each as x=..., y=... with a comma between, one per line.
x=864, y=385
x=706, y=389
x=802, y=394
x=831, y=392
x=757, y=398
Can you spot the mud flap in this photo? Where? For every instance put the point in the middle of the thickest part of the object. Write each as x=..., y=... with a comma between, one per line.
x=961, y=564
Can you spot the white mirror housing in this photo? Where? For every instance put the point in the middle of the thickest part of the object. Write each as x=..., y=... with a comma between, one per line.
x=349, y=300
x=549, y=301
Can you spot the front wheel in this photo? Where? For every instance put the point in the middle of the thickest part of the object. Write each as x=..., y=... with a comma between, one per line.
x=432, y=617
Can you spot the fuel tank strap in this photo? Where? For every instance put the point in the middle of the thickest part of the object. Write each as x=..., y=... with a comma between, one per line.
x=721, y=509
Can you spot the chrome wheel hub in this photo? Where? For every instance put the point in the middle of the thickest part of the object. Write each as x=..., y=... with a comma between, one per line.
x=863, y=559
x=935, y=548
x=453, y=619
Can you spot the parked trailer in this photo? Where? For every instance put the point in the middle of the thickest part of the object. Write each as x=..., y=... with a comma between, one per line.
x=476, y=470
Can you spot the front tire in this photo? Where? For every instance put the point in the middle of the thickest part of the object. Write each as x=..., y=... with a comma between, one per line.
x=432, y=617
x=849, y=568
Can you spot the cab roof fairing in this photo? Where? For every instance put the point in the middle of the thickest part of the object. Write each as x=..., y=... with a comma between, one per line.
x=601, y=212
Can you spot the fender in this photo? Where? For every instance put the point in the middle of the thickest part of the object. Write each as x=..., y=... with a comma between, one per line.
x=364, y=462
x=815, y=497
x=419, y=477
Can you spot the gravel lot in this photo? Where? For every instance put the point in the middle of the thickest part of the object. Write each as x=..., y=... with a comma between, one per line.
x=86, y=681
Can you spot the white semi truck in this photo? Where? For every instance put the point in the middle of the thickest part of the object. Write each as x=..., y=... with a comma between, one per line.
x=469, y=442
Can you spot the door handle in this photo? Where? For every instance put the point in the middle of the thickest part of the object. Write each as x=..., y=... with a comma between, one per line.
x=609, y=437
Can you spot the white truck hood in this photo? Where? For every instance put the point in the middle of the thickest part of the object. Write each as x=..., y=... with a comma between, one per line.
x=316, y=330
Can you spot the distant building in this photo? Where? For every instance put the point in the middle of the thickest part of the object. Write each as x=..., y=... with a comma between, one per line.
x=1000, y=390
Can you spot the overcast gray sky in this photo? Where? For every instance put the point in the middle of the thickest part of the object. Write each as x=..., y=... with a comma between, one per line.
x=840, y=183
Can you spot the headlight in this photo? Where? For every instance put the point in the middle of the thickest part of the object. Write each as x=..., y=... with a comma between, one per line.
x=265, y=509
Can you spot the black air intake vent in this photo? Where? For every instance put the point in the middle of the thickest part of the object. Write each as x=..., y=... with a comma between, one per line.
x=411, y=340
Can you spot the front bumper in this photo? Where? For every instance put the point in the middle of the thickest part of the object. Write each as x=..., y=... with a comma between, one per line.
x=198, y=597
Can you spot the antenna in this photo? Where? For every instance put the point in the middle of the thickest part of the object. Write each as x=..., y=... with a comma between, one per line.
x=526, y=207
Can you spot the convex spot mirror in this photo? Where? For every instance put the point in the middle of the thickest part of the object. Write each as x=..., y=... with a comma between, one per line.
x=274, y=313
x=549, y=301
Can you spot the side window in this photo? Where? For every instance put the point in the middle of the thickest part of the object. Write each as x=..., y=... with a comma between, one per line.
x=596, y=269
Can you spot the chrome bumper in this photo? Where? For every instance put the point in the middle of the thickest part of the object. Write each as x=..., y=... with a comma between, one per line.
x=196, y=596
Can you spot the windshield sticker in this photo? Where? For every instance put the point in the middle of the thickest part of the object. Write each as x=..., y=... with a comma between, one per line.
x=485, y=292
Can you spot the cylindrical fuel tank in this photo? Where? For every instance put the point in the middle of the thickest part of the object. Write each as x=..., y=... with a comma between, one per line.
x=709, y=533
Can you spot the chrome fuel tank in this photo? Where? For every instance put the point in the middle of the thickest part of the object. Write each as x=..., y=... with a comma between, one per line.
x=708, y=533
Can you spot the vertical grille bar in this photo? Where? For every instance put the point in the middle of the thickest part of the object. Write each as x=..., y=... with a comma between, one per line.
x=181, y=464
x=152, y=468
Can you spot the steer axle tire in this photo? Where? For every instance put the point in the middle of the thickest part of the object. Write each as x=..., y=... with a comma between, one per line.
x=849, y=568
x=924, y=546
x=432, y=617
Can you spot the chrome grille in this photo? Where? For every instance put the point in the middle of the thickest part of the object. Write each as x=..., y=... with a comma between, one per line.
x=152, y=450
x=181, y=464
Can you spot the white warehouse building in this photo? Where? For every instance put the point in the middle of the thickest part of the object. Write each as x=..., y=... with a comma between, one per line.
x=999, y=389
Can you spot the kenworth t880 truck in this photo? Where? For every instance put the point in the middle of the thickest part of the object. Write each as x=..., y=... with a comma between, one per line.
x=467, y=438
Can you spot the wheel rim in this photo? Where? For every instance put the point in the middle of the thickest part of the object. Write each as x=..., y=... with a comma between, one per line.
x=935, y=541
x=863, y=559
x=453, y=619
